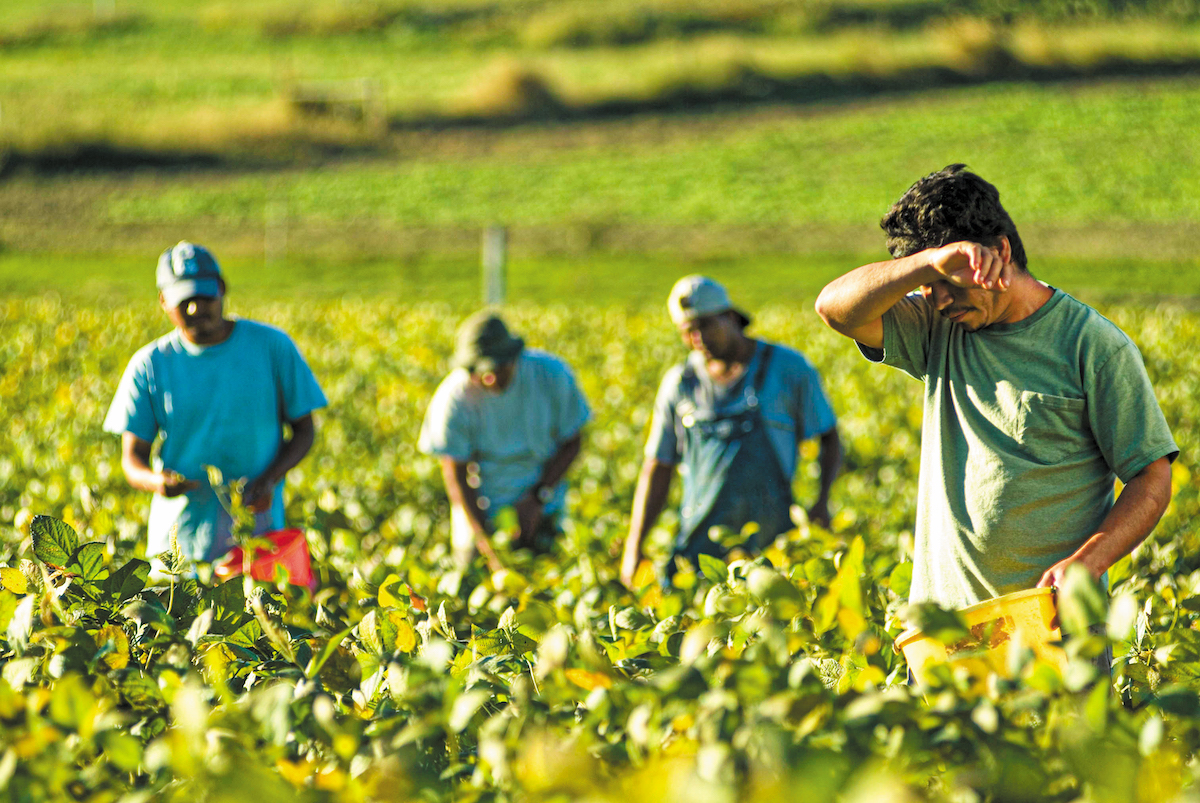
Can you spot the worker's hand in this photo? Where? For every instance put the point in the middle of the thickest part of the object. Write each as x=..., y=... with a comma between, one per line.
x=1054, y=576
x=818, y=514
x=172, y=483
x=529, y=516
x=258, y=493
x=967, y=264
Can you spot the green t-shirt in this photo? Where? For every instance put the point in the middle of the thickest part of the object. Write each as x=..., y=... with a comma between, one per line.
x=1026, y=426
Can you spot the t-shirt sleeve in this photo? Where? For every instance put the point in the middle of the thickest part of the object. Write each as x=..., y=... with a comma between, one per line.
x=907, y=331
x=132, y=408
x=1126, y=420
x=300, y=393
x=813, y=409
x=446, y=430
x=571, y=408
x=663, y=442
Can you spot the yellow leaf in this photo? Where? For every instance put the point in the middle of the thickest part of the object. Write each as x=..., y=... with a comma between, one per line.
x=330, y=779
x=406, y=635
x=116, y=639
x=588, y=680
x=13, y=579
x=389, y=592
x=644, y=575
x=651, y=597
x=294, y=772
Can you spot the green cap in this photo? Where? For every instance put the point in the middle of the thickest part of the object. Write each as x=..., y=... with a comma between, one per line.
x=484, y=343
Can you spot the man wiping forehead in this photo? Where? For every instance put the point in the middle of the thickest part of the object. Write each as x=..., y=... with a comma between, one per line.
x=1034, y=403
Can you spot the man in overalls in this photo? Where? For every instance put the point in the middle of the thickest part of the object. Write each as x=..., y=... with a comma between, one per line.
x=731, y=418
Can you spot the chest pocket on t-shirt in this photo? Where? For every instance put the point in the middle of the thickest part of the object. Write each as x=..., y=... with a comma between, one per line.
x=1052, y=428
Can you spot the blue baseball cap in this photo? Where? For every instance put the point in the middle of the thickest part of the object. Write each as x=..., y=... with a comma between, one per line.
x=185, y=271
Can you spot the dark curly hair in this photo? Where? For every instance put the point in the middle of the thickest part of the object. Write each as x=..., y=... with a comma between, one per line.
x=950, y=205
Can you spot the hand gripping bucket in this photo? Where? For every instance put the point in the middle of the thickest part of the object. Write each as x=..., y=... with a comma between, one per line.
x=289, y=550
x=1018, y=620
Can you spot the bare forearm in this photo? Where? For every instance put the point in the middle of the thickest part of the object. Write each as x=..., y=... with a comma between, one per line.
x=462, y=495
x=829, y=460
x=1139, y=507
x=292, y=450
x=654, y=485
x=139, y=475
x=135, y=464
x=1133, y=517
x=556, y=467
x=862, y=296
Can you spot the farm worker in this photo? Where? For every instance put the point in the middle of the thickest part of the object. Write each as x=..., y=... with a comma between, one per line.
x=731, y=418
x=1034, y=402
x=216, y=391
x=505, y=424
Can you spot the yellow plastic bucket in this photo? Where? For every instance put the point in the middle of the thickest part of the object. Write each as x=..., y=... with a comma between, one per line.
x=1014, y=621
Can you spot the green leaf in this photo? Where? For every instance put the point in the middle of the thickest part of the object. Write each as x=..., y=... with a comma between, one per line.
x=1081, y=601
x=465, y=707
x=319, y=659
x=228, y=601
x=519, y=643
x=20, y=624
x=54, y=541
x=145, y=611
x=128, y=580
x=631, y=619
x=900, y=580
x=368, y=634
x=247, y=635
x=71, y=703
x=123, y=750
x=88, y=562
x=492, y=642
x=140, y=691
x=936, y=622
x=713, y=568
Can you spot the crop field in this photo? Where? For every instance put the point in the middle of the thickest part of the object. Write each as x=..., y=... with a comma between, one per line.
x=403, y=678
x=341, y=158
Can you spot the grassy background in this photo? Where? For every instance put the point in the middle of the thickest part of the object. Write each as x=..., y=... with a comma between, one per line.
x=127, y=126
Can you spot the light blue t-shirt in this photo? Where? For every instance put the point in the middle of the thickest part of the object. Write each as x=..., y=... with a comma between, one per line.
x=222, y=405
x=509, y=435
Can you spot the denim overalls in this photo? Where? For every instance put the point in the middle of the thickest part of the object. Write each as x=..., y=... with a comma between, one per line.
x=732, y=474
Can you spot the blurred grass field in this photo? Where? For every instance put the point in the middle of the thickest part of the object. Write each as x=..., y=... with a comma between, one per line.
x=128, y=125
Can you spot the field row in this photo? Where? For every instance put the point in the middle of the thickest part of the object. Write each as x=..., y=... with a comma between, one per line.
x=404, y=678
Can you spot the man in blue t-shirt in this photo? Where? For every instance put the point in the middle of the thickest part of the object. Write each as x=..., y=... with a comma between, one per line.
x=731, y=418
x=216, y=391
x=505, y=425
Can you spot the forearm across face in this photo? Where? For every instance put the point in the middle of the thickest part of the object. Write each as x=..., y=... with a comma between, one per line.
x=854, y=304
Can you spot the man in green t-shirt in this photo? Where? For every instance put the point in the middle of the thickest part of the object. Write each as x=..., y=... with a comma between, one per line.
x=1034, y=402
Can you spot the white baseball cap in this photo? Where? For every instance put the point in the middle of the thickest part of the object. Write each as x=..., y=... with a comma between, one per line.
x=696, y=296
